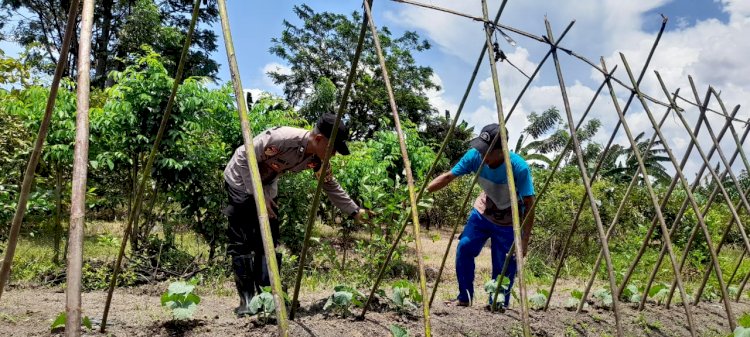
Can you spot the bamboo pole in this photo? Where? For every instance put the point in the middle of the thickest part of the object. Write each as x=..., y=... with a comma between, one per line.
x=520, y=258
x=654, y=220
x=724, y=236
x=36, y=153
x=586, y=181
x=736, y=267
x=542, y=39
x=742, y=286
x=696, y=207
x=620, y=209
x=133, y=218
x=326, y=164
x=252, y=162
x=677, y=221
x=407, y=169
x=543, y=190
x=665, y=231
x=709, y=202
x=602, y=157
x=465, y=203
x=402, y=226
x=80, y=170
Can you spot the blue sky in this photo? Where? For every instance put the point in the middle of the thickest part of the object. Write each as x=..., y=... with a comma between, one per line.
x=705, y=38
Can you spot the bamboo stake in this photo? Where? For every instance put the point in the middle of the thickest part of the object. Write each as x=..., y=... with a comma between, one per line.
x=665, y=231
x=520, y=258
x=133, y=219
x=696, y=207
x=742, y=286
x=654, y=220
x=260, y=200
x=326, y=164
x=677, y=221
x=407, y=169
x=586, y=181
x=600, y=162
x=620, y=209
x=28, y=176
x=710, y=200
x=80, y=170
x=737, y=267
x=402, y=226
x=465, y=203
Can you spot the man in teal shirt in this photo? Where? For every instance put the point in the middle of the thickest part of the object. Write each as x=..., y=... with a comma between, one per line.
x=491, y=216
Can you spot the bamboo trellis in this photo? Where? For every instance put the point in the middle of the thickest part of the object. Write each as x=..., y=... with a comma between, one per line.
x=631, y=84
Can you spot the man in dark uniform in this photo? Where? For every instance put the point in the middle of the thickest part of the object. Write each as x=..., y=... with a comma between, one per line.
x=278, y=150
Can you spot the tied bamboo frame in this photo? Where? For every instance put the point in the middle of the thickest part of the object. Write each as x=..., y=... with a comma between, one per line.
x=633, y=87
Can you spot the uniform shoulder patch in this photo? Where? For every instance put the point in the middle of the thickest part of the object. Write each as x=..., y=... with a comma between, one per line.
x=271, y=150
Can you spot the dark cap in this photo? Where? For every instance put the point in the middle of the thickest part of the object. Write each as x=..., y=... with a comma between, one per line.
x=483, y=141
x=325, y=126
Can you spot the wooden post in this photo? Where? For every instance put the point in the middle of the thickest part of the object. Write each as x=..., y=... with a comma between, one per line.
x=620, y=209
x=465, y=203
x=665, y=231
x=515, y=215
x=36, y=153
x=326, y=164
x=407, y=169
x=600, y=162
x=80, y=170
x=260, y=201
x=402, y=226
x=586, y=181
x=133, y=218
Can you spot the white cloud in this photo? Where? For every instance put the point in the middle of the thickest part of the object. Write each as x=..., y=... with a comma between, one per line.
x=275, y=67
x=713, y=52
x=437, y=99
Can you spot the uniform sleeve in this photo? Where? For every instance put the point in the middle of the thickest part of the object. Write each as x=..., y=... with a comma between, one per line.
x=338, y=196
x=469, y=163
x=523, y=179
x=260, y=143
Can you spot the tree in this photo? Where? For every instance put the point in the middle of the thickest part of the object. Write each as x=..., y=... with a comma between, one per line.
x=121, y=27
x=621, y=163
x=323, y=47
x=539, y=148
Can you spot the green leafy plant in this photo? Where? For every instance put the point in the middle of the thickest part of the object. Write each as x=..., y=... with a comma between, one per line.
x=490, y=287
x=538, y=300
x=264, y=305
x=398, y=331
x=59, y=322
x=180, y=298
x=604, y=296
x=743, y=328
x=659, y=292
x=405, y=296
x=632, y=293
x=576, y=296
x=342, y=299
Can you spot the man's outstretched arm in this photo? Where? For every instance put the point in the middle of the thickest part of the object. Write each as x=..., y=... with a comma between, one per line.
x=529, y=223
x=441, y=181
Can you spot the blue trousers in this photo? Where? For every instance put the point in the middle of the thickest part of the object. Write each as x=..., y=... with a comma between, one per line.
x=476, y=232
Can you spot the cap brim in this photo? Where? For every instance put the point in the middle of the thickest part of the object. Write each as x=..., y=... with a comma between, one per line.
x=479, y=144
x=342, y=148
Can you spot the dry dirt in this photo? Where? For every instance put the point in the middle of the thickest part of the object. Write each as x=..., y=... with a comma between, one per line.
x=137, y=312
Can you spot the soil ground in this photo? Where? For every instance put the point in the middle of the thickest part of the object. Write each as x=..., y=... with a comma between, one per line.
x=137, y=312
x=28, y=311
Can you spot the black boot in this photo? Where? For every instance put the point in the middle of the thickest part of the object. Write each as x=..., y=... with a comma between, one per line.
x=265, y=276
x=244, y=281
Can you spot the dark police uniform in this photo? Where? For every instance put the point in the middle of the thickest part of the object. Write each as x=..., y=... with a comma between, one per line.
x=278, y=150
